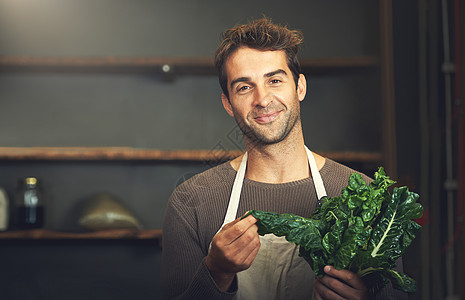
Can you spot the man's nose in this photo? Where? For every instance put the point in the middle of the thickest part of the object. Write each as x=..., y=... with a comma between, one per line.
x=263, y=97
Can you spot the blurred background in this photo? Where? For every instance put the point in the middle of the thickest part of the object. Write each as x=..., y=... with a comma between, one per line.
x=121, y=98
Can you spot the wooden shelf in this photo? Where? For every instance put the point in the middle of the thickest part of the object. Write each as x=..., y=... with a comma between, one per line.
x=352, y=156
x=117, y=234
x=340, y=62
x=161, y=65
x=113, y=153
x=128, y=153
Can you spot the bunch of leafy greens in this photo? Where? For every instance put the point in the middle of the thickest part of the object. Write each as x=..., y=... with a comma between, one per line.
x=365, y=230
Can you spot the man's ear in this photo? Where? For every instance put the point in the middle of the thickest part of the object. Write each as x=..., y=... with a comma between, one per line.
x=301, y=87
x=227, y=105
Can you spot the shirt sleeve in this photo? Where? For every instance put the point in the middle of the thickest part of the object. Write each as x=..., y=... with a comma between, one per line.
x=184, y=274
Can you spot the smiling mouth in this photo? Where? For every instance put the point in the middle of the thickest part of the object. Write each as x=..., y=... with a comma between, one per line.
x=263, y=119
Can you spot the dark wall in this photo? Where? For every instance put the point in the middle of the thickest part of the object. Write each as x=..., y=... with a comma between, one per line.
x=72, y=270
x=69, y=109
x=340, y=113
x=408, y=134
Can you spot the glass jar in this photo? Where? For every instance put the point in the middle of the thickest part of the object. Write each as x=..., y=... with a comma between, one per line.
x=29, y=205
x=4, y=210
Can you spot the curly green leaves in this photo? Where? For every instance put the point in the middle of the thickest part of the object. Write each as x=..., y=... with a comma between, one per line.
x=365, y=230
x=296, y=229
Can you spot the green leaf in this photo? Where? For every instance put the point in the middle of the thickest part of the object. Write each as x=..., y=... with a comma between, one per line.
x=365, y=230
x=333, y=239
x=394, y=225
x=401, y=281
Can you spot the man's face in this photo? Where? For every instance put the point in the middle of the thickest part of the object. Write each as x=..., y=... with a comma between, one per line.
x=263, y=97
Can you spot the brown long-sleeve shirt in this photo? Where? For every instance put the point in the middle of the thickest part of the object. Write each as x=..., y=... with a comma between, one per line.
x=196, y=211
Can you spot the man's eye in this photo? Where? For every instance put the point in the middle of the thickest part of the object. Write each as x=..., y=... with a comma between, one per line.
x=275, y=81
x=243, y=88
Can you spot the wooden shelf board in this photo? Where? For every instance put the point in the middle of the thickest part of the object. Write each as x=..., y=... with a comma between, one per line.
x=113, y=153
x=116, y=234
x=353, y=156
x=128, y=153
x=340, y=62
x=177, y=65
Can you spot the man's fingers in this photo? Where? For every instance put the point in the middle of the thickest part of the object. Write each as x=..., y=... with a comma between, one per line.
x=237, y=228
x=252, y=250
x=234, y=248
x=348, y=277
x=340, y=284
x=244, y=245
x=324, y=288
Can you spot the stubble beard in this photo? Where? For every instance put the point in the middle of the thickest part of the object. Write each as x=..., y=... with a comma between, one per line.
x=260, y=135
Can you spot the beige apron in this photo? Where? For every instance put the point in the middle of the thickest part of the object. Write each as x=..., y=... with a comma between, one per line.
x=278, y=272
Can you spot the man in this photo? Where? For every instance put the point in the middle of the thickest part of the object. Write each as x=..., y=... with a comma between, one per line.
x=208, y=251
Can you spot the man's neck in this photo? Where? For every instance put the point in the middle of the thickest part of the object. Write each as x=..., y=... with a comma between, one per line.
x=275, y=164
x=282, y=162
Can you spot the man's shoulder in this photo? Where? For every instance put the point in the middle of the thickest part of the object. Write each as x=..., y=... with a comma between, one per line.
x=336, y=177
x=339, y=170
x=200, y=188
x=210, y=178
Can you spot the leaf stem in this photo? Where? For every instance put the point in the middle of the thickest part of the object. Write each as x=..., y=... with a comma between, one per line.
x=333, y=215
x=367, y=271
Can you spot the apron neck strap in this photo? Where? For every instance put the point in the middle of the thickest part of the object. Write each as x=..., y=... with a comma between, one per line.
x=236, y=191
x=317, y=180
x=239, y=180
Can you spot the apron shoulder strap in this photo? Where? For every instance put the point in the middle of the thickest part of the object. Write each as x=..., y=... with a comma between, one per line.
x=236, y=191
x=317, y=180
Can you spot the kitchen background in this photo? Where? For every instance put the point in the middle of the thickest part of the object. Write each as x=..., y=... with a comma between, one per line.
x=120, y=97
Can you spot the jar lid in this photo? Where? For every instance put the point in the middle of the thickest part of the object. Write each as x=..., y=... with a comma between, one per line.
x=31, y=180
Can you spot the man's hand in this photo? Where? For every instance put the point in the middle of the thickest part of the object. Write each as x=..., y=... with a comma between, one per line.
x=233, y=249
x=339, y=284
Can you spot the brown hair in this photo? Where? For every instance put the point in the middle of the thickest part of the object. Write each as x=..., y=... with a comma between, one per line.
x=261, y=35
